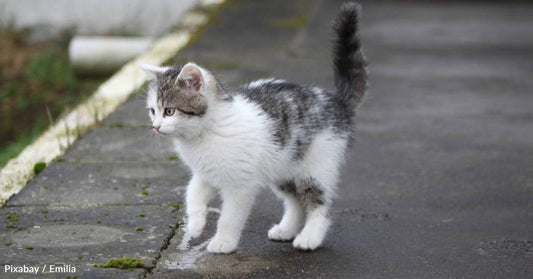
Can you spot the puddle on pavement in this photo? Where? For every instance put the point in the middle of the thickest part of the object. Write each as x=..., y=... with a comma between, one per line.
x=197, y=258
x=188, y=259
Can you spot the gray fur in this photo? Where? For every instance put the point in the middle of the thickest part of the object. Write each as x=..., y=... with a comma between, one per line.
x=307, y=191
x=299, y=113
x=171, y=93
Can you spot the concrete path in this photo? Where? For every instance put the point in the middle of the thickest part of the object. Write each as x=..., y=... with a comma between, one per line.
x=438, y=185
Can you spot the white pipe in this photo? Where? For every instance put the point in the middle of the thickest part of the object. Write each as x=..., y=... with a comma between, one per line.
x=104, y=55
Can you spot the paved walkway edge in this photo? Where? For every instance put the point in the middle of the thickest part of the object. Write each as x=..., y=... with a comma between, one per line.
x=112, y=93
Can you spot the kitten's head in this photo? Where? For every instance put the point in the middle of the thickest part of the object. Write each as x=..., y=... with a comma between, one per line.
x=178, y=98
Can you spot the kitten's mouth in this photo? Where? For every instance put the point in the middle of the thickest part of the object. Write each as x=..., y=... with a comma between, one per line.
x=158, y=132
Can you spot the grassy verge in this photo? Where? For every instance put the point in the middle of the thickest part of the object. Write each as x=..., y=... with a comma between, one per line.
x=36, y=83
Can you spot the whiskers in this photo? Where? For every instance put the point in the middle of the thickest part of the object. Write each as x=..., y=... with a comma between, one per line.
x=155, y=139
x=142, y=94
x=140, y=97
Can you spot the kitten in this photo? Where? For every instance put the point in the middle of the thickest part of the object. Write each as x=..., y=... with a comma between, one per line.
x=269, y=133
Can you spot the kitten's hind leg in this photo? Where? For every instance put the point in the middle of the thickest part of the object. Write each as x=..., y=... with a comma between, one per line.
x=293, y=217
x=312, y=196
x=198, y=196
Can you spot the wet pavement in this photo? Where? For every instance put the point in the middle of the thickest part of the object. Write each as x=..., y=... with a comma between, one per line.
x=439, y=183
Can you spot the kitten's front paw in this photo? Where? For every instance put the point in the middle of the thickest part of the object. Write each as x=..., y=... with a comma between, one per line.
x=277, y=233
x=195, y=227
x=307, y=241
x=218, y=245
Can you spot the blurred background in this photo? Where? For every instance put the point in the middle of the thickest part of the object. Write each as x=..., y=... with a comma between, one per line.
x=37, y=82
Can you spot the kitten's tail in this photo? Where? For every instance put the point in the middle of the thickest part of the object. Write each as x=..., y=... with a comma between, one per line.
x=348, y=59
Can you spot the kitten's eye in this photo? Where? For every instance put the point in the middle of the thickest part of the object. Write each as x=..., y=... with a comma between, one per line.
x=152, y=111
x=169, y=111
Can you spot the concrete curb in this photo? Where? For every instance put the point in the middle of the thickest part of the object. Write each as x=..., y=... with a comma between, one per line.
x=112, y=93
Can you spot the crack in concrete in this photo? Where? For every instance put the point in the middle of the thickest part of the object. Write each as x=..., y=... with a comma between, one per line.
x=164, y=247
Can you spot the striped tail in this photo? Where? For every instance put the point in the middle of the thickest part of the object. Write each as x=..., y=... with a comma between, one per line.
x=348, y=59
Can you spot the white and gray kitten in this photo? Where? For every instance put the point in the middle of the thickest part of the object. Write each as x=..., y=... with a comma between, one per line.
x=269, y=133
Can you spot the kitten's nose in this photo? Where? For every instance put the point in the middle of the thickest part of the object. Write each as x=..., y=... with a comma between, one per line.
x=157, y=127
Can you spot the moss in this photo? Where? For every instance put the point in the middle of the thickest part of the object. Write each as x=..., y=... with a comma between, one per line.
x=172, y=157
x=116, y=125
x=10, y=227
x=138, y=229
x=298, y=21
x=80, y=257
x=39, y=167
x=28, y=248
x=12, y=217
x=144, y=193
x=44, y=211
x=98, y=222
x=175, y=205
x=141, y=215
x=123, y=263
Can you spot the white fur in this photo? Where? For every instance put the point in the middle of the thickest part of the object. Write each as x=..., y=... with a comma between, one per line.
x=261, y=82
x=230, y=150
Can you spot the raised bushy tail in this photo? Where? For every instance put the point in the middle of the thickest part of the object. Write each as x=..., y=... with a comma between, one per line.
x=348, y=59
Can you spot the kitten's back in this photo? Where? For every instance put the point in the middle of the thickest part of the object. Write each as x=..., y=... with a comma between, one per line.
x=297, y=112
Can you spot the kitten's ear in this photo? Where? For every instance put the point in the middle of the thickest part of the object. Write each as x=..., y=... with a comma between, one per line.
x=190, y=78
x=152, y=72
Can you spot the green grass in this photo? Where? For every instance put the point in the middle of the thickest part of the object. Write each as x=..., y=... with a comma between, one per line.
x=42, y=81
x=123, y=263
x=14, y=147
